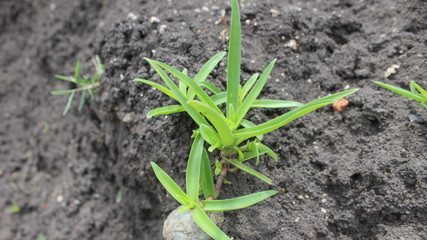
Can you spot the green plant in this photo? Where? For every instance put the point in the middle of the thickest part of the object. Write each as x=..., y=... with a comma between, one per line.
x=230, y=132
x=199, y=178
x=237, y=138
x=416, y=92
x=15, y=208
x=85, y=85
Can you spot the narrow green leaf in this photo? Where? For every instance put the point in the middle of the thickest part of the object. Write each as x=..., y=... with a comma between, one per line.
x=77, y=71
x=192, y=176
x=204, y=72
x=69, y=102
x=249, y=170
x=245, y=133
x=218, y=120
x=256, y=149
x=62, y=92
x=158, y=87
x=420, y=89
x=247, y=124
x=236, y=203
x=270, y=103
x=264, y=148
x=206, y=224
x=232, y=117
x=412, y=88
x=402, y=92
x=219, y=98
x=248, y=85
x=206, y=176
x=253, y=153
x=182, y=87
x=253, y=94
x=65, y=78
x=179, y=96
x=191, y=84
x=218, y=167
x=208, y=67
x=210, y=135
x=173, y=189
x=211, y=87
x=165, y=110
x=234, y=55
x=82, y=101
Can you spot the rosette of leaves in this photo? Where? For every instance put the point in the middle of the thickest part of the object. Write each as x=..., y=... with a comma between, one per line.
x=237, y=138
x=87, y=86
x=416, y=92
x=198, y=179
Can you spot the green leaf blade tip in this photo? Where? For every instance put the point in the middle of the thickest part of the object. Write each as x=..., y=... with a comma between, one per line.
x=234, y=58
x=236, y=203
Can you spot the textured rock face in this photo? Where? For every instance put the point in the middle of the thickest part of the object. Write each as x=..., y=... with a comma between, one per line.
x=180, y=226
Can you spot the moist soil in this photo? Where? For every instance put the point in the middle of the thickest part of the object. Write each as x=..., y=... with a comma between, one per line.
x=356, y=174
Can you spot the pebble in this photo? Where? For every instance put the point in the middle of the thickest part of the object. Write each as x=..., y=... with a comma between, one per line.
x=162, y=28
x=415, y=118
x=274, y=12
x=154, y=20
x=391, y=70
x=132, y=16
x=292, y=44
x=128, y=117
x=180, y=226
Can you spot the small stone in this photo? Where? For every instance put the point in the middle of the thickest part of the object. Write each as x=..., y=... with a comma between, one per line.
x=300, y=197
x=340, y=105
x=132, y=16
x=128, y=117
x=323, y=210
x=296, y=219
x=391, y=70
x=415, y=118
x=162, y=28
x=274, y=12
x=59, y=198
x=292, y=44
x=362, y=73
x=323, y=200
x=180, y=226
x=154, y=20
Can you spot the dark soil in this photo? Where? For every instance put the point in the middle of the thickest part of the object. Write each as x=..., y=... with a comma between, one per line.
x=359, y=174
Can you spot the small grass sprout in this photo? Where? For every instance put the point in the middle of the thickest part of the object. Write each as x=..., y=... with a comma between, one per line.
x=86, y=86
x=415, y=92
x=198, y=179
x=14, y=208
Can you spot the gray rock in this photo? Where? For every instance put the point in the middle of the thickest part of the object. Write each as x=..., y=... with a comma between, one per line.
x=415, y=118
x=180, y=226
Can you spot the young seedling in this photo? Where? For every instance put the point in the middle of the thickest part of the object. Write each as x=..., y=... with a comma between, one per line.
x=199, y=178
x=87, y=86
x=237, y=138
x=416, y=92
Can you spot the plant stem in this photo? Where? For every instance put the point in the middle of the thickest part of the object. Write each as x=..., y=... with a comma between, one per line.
x=220, y=181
